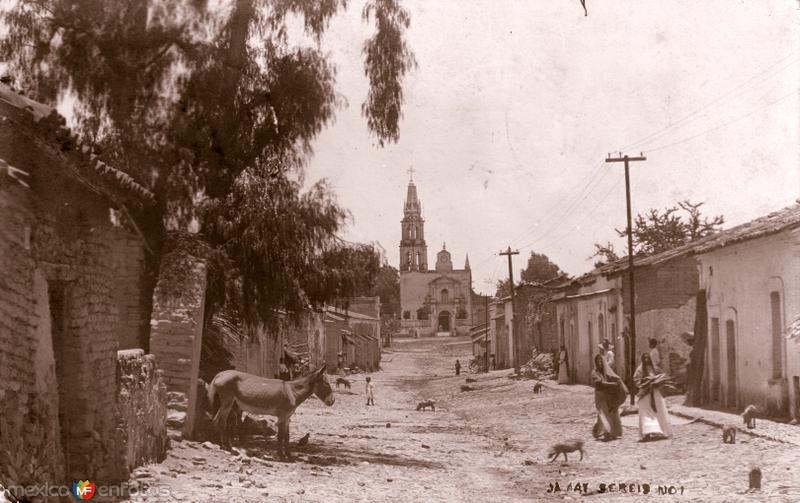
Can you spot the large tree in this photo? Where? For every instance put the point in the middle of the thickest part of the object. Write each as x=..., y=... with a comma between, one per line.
x=539, y=269
x=214, y=106
x=657, y=231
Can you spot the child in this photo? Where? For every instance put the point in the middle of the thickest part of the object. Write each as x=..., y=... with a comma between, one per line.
x=370, y=391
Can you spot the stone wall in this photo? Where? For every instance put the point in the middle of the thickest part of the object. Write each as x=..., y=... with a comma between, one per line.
x=132, y=293
x=177, y=330
x=141, y=411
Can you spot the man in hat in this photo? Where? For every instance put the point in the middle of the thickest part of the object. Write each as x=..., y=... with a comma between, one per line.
x=607, y=350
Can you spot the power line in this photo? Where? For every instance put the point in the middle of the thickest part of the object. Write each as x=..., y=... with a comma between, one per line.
x=741, y=87
x=725, y=124
x=595, y=173
x=560, y=221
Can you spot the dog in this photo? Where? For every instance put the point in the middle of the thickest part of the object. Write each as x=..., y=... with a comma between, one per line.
x=728, y=434
x=749, y=416
x=564, y=448
x=344, y=382
x=537, y=388
x=425, y=404
x=471, y=379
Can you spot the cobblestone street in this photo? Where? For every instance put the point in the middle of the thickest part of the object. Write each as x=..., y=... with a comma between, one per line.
x=483, y=445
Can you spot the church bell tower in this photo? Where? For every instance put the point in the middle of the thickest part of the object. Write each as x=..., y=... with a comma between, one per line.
x=413, y=250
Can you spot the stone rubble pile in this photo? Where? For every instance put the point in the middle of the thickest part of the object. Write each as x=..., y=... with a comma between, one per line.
x=540, y=366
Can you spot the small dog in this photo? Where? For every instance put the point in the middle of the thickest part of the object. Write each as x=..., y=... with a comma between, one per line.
x=344, y=382
x=425, y=404
x=728, y=434
x=564, y=448
x=465, y=387
x=537, y=388
x=471, y=379
x=749, y=416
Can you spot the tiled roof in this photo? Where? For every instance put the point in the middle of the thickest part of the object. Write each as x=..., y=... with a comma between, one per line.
x=785, y=219
x=89, y=169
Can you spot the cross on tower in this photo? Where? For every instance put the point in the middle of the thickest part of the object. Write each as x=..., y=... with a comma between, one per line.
x=410, y=172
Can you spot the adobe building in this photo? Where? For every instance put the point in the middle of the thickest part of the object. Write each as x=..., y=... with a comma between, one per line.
x=437, y=301
x=72, y=406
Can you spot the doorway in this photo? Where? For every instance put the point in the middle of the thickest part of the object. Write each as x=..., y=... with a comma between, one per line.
x=444, y=321
x=730, y=334
x=58, y=307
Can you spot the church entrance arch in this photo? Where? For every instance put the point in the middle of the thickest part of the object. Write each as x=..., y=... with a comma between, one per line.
x=444, y=321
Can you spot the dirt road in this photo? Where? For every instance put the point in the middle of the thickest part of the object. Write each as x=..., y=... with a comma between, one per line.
x=483, y=445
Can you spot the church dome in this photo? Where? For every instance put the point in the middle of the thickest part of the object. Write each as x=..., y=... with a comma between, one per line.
x=443, y=261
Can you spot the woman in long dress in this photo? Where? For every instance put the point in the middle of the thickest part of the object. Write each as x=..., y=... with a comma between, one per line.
x=653, y=419
x=609, y=394
x=563, y=366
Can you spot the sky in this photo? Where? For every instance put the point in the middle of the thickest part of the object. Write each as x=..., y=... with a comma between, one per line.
x=515, y=105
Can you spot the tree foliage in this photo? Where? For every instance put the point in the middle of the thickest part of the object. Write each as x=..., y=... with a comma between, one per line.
x=539, y=269
x=387, y=287
x=657, y=231
x=214, y=107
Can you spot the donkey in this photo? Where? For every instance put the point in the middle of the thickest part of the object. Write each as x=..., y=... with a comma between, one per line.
x=271, y=397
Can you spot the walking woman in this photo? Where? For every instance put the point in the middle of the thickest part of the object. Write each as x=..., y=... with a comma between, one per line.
x=609, y=394
x=563, y=366
x=653, y=419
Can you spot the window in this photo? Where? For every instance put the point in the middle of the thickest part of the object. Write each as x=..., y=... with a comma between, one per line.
x=777, y=338
x=445, y=295
x=419, y=260
x=406, y=315
x=422, y=313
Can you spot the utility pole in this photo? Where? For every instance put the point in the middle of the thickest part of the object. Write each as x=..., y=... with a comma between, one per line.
x=486, y=334
x=632, y=363
x=512, y=324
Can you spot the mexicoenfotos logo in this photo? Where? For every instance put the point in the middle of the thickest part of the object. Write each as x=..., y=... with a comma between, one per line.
x=83, y=489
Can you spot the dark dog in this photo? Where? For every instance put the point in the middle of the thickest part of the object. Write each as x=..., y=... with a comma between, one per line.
x=564, y=448
x=425, y=404
x=344, y=382
x=729, y=434
x=537, y=388
x=471, y=379
x=749, y=416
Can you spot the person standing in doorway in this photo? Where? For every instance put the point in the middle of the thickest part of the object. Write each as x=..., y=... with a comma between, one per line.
x=608, y=352
x=655, y=356
x=370, y=392
x=458, y=367
x=563, y=366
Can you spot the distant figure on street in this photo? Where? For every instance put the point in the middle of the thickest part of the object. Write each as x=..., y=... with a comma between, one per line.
x=493, y=363
x=339, y=361
x=563, y=366
x=608, y=352
x=283, y=370
x=653, y=419
x=609, y=394
x=458, y=367
x=655, y=357
x=370, y=392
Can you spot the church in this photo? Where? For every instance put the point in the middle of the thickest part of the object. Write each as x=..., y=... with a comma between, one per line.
x=432, y=302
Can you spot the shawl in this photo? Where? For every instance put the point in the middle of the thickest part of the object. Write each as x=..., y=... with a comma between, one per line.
x=616, y=394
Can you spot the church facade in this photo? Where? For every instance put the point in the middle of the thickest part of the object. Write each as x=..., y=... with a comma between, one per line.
x=437, y=301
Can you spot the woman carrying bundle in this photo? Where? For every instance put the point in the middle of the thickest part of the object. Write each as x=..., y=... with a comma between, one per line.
x=609, y=394
x=653, y=419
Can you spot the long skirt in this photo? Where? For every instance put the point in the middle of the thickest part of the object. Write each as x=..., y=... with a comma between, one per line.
x=653, y=421
x=563, y=377
x=608, y=422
